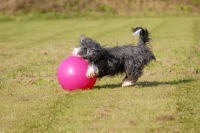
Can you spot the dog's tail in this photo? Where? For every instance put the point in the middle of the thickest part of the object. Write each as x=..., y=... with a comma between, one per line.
x=144, y=35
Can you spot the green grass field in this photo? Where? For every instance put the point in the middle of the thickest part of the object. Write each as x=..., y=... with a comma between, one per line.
x=165, y=99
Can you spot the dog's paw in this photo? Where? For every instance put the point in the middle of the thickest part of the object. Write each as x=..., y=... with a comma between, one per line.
x=127, y=83
x=92, y=71
x=90, y=74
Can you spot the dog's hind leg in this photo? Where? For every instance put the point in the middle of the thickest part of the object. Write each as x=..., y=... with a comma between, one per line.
x=131, y=77
x=128, y=81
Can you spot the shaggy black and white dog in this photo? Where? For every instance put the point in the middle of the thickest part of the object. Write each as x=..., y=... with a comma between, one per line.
x=126, y=59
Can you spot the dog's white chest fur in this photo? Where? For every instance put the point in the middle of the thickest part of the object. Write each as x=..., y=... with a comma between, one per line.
x=75, y=51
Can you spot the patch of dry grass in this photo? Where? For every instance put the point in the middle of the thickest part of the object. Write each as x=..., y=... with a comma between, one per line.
x=120, y=7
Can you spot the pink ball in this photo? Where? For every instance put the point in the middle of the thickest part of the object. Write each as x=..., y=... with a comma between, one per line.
x=71, y=74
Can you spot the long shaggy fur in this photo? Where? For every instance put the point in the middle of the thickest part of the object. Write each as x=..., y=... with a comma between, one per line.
x=126, y=59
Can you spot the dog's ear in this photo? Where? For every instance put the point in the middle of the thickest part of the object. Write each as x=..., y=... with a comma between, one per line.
x=82, y=37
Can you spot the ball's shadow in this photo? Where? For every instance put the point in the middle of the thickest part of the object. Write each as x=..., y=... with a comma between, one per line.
x=146, y=84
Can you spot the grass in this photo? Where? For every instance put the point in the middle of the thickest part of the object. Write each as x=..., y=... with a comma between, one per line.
x=165, y=99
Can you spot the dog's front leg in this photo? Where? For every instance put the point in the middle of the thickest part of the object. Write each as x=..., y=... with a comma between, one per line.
x=92, y=70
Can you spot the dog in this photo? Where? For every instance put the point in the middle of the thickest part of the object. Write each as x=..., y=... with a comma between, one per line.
x=126, y=59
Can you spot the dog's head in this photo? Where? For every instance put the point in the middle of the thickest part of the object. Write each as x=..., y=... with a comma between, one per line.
x=89, y=49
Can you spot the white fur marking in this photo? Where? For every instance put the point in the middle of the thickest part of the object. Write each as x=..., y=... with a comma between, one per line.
x=75, y=51
x=92, y=71
x=127, y=83
x=136, y=32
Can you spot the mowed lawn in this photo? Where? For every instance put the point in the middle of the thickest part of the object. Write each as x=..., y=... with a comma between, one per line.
x=165, y=99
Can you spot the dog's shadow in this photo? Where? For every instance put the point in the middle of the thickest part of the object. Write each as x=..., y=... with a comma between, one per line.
x=146, y=84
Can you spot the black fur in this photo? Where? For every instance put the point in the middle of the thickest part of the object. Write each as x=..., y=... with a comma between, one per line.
x=127, y=58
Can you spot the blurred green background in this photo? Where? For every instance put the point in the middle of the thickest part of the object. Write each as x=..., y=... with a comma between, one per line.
x=60, y=9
